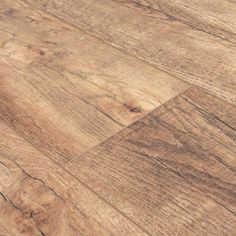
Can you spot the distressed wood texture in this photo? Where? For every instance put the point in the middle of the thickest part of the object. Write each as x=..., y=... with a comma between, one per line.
x=39, y=198
x=103, y=130
x=66, y=91
x=162, y=37
x=172, y=172
x=13, y=222
x=217, y=18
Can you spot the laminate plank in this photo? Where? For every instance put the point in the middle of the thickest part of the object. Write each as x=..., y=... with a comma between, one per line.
x=159, y=39
x=40, y=198
x=13, y=222
x=78, y=91
x=218, y=19
x=173, y=171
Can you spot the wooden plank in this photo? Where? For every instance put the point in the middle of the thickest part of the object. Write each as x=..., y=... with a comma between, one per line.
x=52, y=118
x=48, y=212
x=40, y=198
x=161, y=40
x=78, y=91
x=172, y=172
x=218, y=19
x=13, y=222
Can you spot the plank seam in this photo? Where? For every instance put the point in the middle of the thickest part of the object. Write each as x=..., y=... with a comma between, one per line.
x=120, y=48
x=81, y=182
x=110, y=44
x=169, y=168
x=142, y=117
x=183, y=22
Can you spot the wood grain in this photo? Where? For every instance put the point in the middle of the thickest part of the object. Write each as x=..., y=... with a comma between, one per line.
x=13, y=222
x=40, y=198
x=172, y=172
x=156, y=37
x=218, y=19
x=78, y=91
x=96, y=139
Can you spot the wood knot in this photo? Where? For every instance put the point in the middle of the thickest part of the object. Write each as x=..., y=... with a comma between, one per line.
x=8, y=11
x=133, y=109
x=42, y=53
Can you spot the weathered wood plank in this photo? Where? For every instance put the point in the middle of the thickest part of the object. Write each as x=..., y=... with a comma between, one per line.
x=49, y=213
x=40, y=198
x=216, y=18
x=173, y=172
x=63, y=91
x=78, y=91
x=13, y=221
x=159, y=39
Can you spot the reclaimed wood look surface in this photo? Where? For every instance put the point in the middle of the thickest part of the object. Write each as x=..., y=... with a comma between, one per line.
x=155, y=37
x=117, y=117
x=47, y=200
x=77, y=90
x=218, y=18
x=172, y=172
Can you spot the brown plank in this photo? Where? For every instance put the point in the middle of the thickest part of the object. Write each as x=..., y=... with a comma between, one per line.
x=159, y=39
x=172, y=172
x=40, y=198
x=78, y=91
x=49, y=213
x=216, y=18
x=13, y=222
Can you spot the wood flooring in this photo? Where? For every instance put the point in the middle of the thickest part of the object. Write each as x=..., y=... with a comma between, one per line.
x=117, y=117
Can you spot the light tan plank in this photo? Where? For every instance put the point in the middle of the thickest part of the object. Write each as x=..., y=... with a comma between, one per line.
x=48, y=212
x=52, y=118
x=78, y=91
x=45, y=198
x=13, y=222
x=163, y=41
x=172, y=172
x=217, y=18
